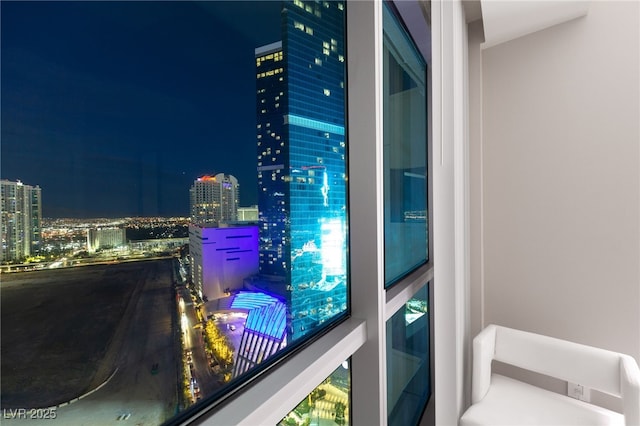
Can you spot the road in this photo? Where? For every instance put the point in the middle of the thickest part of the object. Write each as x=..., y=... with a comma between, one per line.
x=231, y=324
x=205, y=378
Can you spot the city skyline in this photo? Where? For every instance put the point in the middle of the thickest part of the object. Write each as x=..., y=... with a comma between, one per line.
x=120, y=120
x=120, y=124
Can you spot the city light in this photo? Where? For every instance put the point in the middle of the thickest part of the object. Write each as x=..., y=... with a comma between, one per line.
x=333, y=247
x=184, y=321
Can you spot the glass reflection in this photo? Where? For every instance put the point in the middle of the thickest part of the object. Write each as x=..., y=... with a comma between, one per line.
x=327, y=405
x=183, y=212
x=408, y=370
x=405, y=152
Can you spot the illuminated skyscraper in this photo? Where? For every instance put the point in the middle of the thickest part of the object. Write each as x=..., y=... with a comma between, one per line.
x=21, y=210
x=214, y=199
x=105, y=238
x=301, y=152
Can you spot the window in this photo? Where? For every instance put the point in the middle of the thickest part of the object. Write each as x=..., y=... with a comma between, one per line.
x=177, y=298
x=406, y=218
x=405, y=151
x=326, y=404
x=408, y=355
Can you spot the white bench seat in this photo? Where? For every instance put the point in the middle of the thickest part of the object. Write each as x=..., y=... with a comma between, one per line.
x=511, y=402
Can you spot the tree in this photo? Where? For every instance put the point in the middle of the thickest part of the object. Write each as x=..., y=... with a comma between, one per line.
x=219, y=344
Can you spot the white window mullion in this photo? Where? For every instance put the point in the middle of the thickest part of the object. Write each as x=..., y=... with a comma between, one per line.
x=365, y=72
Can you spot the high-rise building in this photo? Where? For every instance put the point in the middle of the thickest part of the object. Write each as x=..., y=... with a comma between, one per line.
x=301, y=162
x=214, y=199
x=105, y=238
x=21, y=210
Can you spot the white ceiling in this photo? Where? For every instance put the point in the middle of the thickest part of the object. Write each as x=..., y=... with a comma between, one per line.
x=505, y=20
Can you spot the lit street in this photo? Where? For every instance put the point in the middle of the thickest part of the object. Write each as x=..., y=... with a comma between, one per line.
x=192, y=332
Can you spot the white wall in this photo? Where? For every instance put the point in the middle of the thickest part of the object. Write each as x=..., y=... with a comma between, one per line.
x=558, y=196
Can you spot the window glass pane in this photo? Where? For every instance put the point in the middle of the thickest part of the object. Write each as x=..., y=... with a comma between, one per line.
x=181, y=219
x=408, y=370
x=326, y=405
x=405, y=152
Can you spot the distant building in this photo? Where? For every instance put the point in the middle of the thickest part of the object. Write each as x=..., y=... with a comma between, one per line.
x=105, y=238
x=21, y=211
x=214, y=199
x=248, y=214
x=157, y=244
x=221, y=258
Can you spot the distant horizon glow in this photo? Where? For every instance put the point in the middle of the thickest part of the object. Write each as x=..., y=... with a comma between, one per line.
x=106, y=130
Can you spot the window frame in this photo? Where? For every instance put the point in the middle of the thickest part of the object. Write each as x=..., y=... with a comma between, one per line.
x=425, y=56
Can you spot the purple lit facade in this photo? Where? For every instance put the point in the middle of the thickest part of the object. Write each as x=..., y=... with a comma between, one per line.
x=221, y=258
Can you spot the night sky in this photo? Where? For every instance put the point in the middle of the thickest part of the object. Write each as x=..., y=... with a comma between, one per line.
x=114, y=108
